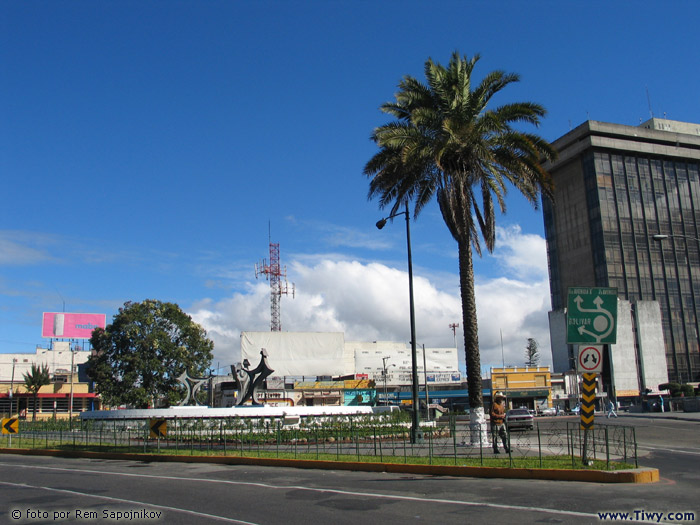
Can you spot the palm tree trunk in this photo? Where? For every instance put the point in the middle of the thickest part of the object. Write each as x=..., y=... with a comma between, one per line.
x=477, y=419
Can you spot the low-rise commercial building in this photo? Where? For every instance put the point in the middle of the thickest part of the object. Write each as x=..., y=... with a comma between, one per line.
x=68, y=393
x=529, y=387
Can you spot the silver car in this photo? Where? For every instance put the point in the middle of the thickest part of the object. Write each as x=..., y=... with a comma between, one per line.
x=520, y=418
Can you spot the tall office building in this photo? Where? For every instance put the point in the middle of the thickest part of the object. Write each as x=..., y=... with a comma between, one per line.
x=616, y=188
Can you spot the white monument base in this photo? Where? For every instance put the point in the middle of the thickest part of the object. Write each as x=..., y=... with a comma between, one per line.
x=246, y=411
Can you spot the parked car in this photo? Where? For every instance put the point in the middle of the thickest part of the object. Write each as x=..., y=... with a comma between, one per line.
x=576, y=410
x=548, y=411
x=520, y=418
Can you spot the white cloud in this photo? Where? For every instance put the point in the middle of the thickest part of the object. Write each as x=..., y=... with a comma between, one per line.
x=524, y=255
x=369, y=302
x=516, y=304
x=23, y=248
x=516, y=311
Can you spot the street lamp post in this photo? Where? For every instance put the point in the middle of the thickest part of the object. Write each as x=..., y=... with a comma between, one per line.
x=414, y=365
x=70, y=402
x=384, y=375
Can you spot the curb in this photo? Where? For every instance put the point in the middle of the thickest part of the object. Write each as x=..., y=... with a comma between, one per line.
x=639, y=475
x=657, y=417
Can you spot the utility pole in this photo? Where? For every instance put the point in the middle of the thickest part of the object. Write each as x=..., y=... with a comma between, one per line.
x=454, y=327
x=12, y=385
x=427, y=396
x=70, y=403
x=384, y=374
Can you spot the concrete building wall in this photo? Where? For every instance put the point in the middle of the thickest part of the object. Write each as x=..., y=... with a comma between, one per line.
x=652, y=349
x=561, y=358
x=624, y=373
x=569, y=248
x=57, y=359
x=628, y=377
x=298, y=353
x=674, y=126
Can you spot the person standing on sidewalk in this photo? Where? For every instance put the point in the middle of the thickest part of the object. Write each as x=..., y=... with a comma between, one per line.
x=498, y=425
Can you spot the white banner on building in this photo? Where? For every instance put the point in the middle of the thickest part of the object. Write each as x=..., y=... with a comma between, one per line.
x=299, y=353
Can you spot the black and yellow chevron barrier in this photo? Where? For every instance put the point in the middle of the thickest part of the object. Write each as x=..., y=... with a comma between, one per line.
x=590, y=381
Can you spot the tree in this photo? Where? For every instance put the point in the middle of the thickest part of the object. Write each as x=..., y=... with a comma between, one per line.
x=139, y=357
x=532, y=353
x=445, y=143
x=37, y=377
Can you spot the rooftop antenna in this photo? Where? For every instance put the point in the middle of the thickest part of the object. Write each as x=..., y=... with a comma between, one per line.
x=454, y=327
x=277, y=275
x=651, y=113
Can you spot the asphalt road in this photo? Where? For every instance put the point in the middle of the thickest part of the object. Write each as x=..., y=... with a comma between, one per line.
x=56, y=490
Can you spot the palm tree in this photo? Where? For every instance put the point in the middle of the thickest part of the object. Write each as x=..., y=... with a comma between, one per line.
x=34, y=380
x=445, y=143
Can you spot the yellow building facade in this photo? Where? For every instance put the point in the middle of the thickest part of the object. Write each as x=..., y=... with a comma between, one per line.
x=529, y=387
x=52, y=402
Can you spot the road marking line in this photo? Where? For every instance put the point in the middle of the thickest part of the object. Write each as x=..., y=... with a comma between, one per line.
x=679, y=451
x=310, y=489
x=129, y=501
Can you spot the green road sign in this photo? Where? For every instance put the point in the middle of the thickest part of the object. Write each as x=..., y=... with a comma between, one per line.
x=592, y=316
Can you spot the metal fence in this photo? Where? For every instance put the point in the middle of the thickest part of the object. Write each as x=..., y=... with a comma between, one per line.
x=552, y=442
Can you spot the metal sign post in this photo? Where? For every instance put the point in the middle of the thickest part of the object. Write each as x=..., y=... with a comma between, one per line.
x=158, y=429
x=591, y=321
x=590, y=383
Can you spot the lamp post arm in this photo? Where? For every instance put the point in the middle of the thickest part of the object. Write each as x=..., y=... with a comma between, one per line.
x=662, y=237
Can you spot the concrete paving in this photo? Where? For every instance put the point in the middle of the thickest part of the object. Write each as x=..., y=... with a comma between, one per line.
x=679, y=416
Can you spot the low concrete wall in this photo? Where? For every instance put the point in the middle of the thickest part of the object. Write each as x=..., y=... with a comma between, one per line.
x=691, y=404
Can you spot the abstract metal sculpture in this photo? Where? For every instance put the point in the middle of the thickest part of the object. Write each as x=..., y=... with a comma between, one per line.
x=192, y=384
x=247, y=382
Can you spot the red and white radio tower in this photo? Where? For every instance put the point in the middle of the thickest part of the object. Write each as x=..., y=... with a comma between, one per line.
x=277, y=276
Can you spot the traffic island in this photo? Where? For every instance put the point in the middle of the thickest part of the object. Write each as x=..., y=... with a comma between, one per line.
x=636, y=475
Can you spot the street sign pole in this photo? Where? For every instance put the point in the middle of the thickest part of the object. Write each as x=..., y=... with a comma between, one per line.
x=158, y=429
x=591, y=323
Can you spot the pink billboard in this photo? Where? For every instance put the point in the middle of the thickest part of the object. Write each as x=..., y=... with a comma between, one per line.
x=71, y=326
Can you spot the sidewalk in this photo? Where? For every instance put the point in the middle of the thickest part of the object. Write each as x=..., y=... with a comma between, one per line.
x=680, y=416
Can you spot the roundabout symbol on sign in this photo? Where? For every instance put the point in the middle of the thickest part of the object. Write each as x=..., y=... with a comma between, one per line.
x=590, y=358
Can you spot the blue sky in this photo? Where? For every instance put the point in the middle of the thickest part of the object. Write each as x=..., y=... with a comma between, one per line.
x=148, y=148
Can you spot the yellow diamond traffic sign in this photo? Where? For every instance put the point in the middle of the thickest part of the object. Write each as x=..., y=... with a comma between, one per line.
x=158, y=427
x=10, y=425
